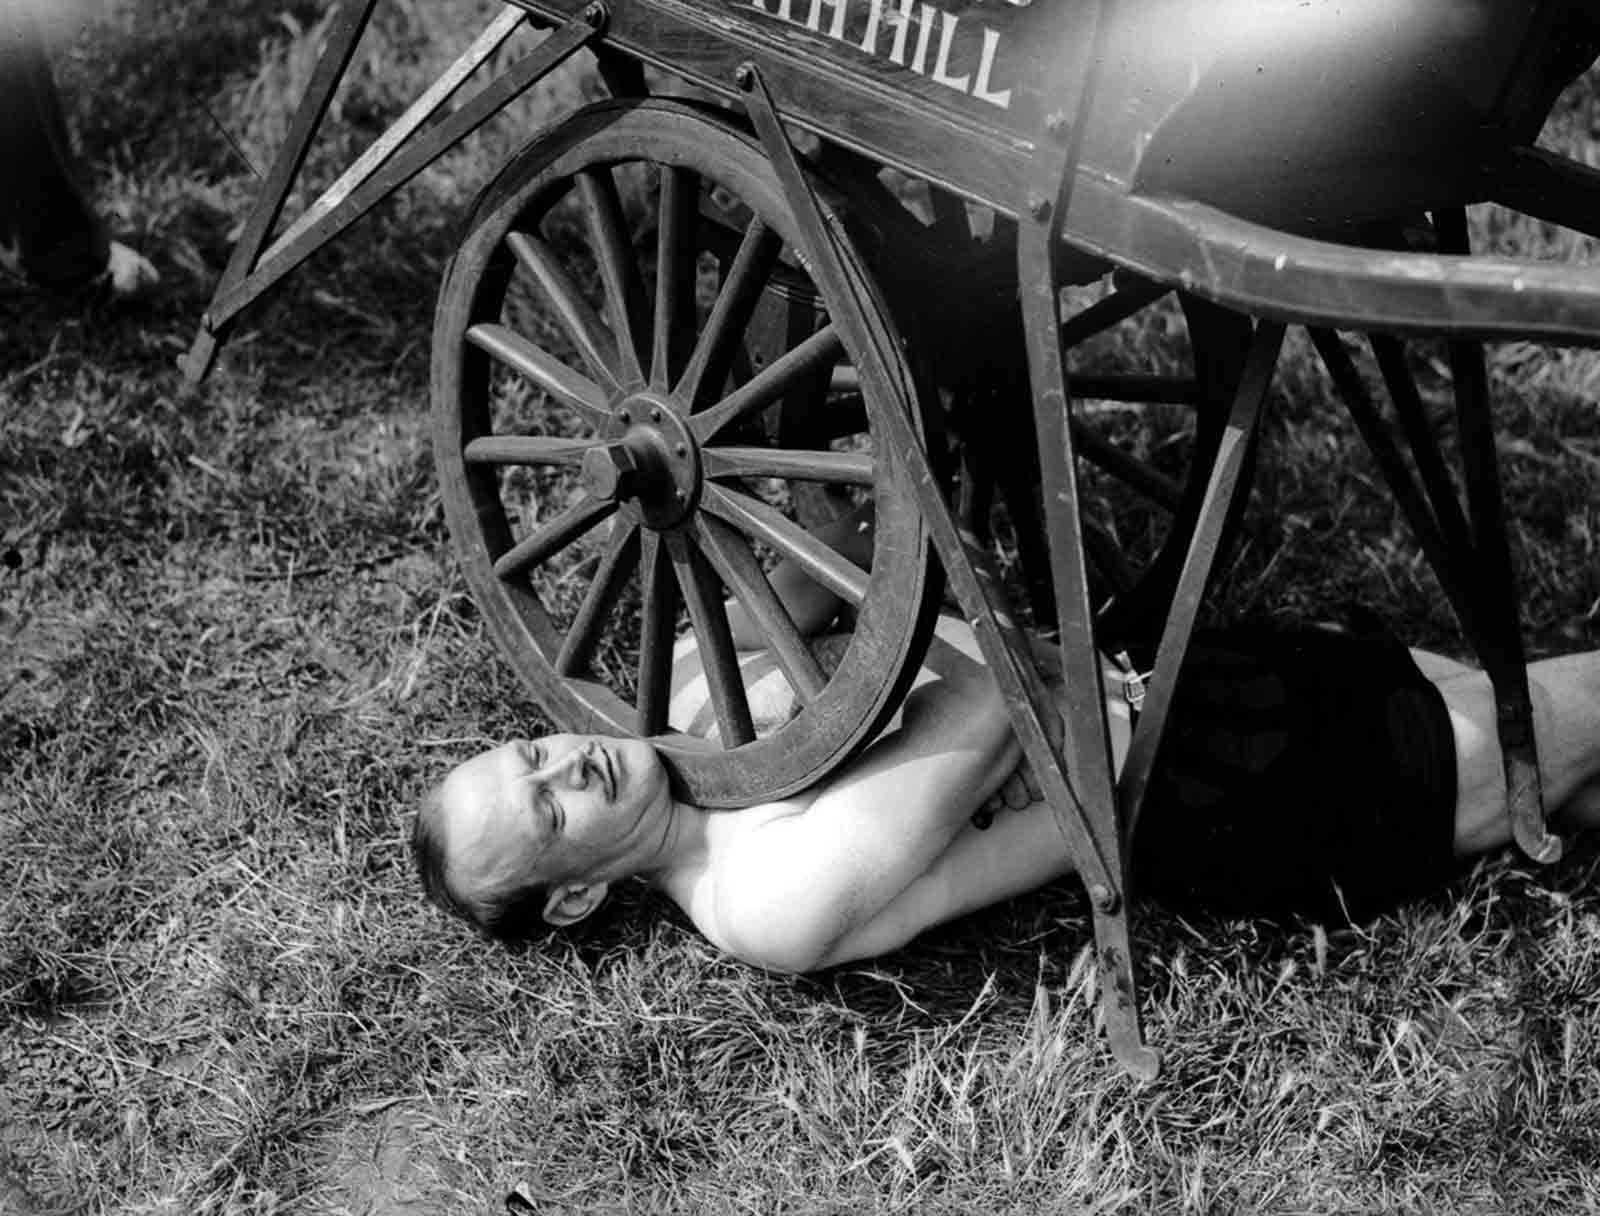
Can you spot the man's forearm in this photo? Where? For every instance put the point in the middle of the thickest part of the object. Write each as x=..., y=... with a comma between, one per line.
x=811, y=604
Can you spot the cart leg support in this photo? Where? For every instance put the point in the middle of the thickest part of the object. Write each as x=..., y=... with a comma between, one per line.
x=1222, y=487
x=1470, y=556
x=395, y=159
x=1094, y=847
x=1500, y=641
x=342, y=38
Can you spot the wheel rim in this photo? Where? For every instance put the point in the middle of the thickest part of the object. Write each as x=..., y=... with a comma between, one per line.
x=609, y=466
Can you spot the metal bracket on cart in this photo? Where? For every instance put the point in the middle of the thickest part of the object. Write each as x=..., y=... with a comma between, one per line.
x=392, y=160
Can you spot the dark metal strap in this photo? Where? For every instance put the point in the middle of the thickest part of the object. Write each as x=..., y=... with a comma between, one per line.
x=1550, y=187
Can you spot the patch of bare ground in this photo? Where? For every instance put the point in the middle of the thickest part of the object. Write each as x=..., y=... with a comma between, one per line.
x=388, y=1159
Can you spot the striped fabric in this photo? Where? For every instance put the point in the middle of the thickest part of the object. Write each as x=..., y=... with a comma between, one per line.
x=772, y=700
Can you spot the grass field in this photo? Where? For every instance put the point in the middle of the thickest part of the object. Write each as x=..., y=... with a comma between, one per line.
x=234, y=648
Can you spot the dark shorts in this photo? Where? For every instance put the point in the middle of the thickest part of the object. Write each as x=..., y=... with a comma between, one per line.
x=1304, y=773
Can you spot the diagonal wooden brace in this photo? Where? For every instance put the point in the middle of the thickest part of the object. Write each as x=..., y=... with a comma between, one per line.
x=394, y=160
x=1221, y=487
x=343, y=35
x=1430, y=508
x=1003, y=644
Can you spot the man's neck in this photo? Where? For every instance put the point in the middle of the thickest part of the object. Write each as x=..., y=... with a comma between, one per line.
x=690, y=837
x=680, y=842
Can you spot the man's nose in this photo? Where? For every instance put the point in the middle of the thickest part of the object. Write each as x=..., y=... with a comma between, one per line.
x=566, y=768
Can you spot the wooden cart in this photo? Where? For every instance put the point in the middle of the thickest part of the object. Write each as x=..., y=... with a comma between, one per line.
x=849, y=287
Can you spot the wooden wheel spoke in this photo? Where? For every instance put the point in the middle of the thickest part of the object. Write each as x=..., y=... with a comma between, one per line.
x=1152, y=483
x=757, y=520
x=527, y=450
x=736, y=565
x=552, y=537
x=578, y=320
x=571, y=388
x=718, y=658
x=1112, y=310
x=815, y=356
x=626, y=301
x=673, y=329
x=835, y=468
x=658, y=631
x=599, y=602
x=730, y=315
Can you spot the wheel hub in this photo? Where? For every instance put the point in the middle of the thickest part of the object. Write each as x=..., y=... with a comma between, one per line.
x=649, y=463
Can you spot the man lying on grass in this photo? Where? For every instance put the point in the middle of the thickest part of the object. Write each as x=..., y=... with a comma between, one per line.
x=1305, y=772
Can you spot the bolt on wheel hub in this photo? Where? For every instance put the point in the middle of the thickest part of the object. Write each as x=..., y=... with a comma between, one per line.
x=649, y=464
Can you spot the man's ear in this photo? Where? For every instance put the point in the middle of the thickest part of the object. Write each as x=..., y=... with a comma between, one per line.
x=571, y=902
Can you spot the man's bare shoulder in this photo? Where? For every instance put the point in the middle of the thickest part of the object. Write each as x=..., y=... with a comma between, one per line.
x=750, y=896
x=743, y=845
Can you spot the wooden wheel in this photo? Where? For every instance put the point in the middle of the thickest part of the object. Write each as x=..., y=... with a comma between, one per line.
x=609, y=469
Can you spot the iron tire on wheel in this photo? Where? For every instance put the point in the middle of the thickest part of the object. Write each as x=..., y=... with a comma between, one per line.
x=658, y=431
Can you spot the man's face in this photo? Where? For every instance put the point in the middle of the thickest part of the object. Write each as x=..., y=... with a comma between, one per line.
x=560, y=808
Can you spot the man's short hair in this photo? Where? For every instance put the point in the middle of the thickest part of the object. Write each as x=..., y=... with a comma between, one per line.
x=515, y=914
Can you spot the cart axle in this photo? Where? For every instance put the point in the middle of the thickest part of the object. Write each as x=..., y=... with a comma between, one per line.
x=652, y=463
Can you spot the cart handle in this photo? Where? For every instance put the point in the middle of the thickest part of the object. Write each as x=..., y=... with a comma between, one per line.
x=1265, y=272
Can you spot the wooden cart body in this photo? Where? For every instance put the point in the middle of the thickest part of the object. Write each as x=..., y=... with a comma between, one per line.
x=1301, y=115
x=1262, y=155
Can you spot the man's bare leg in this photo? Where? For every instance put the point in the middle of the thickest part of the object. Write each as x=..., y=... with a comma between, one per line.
x=1566, y=713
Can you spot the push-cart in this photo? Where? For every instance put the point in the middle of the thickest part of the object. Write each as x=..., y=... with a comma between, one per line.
x=833, y=268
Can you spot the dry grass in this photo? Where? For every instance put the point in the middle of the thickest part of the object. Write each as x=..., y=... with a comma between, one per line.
x=235, y=648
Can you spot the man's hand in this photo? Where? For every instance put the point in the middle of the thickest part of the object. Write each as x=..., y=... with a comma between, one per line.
x=1018, y=791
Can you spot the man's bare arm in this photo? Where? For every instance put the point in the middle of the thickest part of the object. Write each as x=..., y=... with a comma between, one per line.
x=814, y=879
x=1018, y=853
x=809, y=603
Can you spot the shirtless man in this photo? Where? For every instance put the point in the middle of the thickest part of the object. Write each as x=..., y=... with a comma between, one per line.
x=1307, y=772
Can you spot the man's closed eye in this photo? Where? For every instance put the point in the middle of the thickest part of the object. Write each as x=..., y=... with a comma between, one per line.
x=550, y=807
